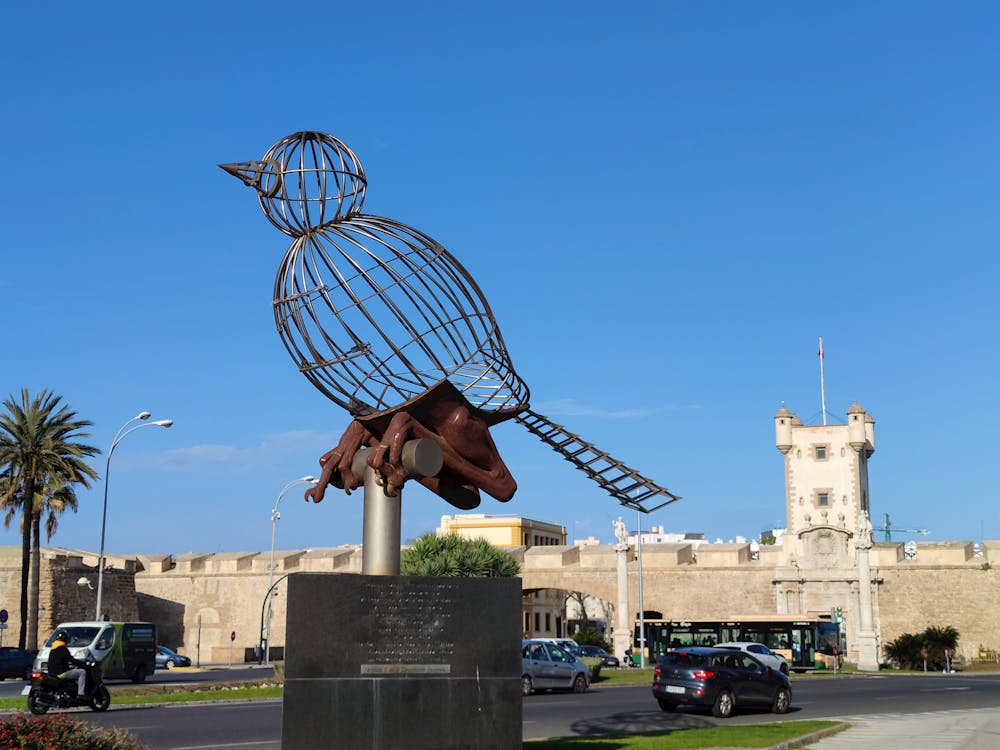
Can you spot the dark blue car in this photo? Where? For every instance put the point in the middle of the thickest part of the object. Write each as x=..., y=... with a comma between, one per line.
x=15, y=662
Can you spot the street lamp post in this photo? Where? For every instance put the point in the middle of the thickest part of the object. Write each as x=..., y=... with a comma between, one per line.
x=265, y=644
x=122, y=432
x=642, y=611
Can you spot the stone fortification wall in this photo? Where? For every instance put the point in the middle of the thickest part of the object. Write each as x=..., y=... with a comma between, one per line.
x=60, y=598
x=199, y=600
x=719, y=582
x=912, y=599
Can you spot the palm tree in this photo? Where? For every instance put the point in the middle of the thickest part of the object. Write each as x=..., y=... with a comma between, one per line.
x=456, y=556
x=40, y=454
x=57, y=497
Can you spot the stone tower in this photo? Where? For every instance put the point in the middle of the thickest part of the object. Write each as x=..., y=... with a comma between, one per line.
x=826, y=483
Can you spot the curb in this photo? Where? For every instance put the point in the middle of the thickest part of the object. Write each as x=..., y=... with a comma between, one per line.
x=808, y=739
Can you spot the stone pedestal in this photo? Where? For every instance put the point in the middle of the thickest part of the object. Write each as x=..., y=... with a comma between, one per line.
x=867, y=652
x=386, y=662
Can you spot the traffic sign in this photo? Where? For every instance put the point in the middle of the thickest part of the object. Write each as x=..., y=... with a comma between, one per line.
x=232, y=636
x=3, y=615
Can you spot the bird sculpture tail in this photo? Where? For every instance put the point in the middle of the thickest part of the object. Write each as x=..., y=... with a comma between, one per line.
x=625, y=485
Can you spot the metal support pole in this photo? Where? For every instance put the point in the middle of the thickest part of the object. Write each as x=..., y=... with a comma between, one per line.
x=382, y=515
x=642, y=612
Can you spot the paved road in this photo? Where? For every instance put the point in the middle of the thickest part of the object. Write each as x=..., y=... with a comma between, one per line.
x=888, y=713
x=605, y=710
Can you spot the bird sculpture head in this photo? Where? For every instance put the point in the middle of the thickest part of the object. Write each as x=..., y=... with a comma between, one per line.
x=305, y=181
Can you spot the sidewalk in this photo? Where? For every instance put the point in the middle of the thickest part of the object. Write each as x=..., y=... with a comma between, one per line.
x=973, y=729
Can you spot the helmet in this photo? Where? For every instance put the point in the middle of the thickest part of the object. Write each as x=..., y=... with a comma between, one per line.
x=60, y=635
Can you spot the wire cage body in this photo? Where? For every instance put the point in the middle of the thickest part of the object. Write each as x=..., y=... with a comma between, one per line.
x=377, y=314
x=409, y=316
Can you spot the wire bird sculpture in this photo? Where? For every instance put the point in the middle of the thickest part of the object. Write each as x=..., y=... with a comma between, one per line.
x=415, y=352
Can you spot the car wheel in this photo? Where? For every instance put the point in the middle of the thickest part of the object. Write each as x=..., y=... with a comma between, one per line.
x=139, y=676
x=34, y=706
x=782, y=701
x=666, y=705
x=27, y=674
x=526, y=687
x=724, y=705
x=101, y=699
x=170, y=664
x=580, y=684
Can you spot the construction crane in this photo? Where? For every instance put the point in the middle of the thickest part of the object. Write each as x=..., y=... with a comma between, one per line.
x=889, y=528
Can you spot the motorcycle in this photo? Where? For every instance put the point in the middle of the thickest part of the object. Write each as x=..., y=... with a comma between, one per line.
x=47, y=692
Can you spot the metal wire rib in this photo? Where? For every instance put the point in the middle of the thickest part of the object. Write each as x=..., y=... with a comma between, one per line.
x=625, y=485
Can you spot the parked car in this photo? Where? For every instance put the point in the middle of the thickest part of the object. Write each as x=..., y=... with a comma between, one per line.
x=545, y=666
x=167, y=659
x=607, y=660
x=15, y=662
x=565, y=643
x=763, y=654
x=723, y=679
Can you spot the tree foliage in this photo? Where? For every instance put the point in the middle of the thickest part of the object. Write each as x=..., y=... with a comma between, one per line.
x=908, y=649
x=40, y=460
x=590, y=637
x=457, y=557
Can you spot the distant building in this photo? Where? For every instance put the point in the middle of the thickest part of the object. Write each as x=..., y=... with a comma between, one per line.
x=657, y=535
x=503, y=531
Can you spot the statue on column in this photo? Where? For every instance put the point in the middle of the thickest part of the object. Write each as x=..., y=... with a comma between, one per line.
x=621, y=533
x=864, y=537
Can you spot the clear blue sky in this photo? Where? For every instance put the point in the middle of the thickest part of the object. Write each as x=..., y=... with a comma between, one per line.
x=665, y=203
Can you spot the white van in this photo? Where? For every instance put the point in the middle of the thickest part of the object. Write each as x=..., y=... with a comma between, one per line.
x=124, y=649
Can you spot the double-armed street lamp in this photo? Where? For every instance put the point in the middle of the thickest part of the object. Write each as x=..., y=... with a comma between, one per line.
x=125, y=429
x=265, y=645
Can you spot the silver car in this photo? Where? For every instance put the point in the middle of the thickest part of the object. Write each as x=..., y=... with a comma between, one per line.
x=762, y=653
x=545, y=666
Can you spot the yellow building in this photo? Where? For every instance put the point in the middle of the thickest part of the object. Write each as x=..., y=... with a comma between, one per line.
x=503, y=531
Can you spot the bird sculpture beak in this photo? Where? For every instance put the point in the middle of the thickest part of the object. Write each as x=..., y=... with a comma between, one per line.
x=247, y=171
x=252, y=173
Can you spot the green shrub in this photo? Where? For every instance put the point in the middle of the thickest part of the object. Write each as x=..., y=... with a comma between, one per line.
x=908, y=648
x=62, y=733
x=593, y=664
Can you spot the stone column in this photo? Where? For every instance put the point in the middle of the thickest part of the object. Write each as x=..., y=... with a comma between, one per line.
x=867, y=647
x=622, y=636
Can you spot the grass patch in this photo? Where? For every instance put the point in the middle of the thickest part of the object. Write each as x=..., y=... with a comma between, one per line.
x=625, y=677
x=754, y=735
x=123, y=695
x=189, y=695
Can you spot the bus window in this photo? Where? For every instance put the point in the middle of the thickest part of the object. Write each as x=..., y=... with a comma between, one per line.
x=754, y=634
x=777, y=640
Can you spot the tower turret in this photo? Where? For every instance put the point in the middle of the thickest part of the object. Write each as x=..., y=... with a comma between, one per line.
x=869, y=434
x=783, y=429
x=856, y=426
